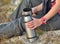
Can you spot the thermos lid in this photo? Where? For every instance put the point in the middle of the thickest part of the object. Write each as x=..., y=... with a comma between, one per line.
x=27, y=11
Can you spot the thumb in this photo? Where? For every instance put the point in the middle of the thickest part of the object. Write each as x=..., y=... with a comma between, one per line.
x=34, y=15
x=33, y=10
x=33, y=18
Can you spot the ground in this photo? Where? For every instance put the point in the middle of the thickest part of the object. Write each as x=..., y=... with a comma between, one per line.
x=50, y=37
x=6, y=9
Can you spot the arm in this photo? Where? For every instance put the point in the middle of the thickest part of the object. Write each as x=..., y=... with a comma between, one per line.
x=53, y=10
x=37, y=8
x=37, y=22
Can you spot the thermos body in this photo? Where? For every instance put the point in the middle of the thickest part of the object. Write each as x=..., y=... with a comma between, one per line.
x=31, y=34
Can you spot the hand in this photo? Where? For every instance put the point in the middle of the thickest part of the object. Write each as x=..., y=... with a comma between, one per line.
x=34, y=10
x=34, y=23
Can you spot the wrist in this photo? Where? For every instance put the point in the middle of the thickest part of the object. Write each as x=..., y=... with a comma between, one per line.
x=43, y=20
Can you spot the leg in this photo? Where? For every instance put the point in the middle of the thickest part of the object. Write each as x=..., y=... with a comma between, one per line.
x=19, y=9
x=11, y=29
x=24, y=4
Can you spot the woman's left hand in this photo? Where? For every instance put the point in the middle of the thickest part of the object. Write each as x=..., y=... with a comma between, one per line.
x=34, y=23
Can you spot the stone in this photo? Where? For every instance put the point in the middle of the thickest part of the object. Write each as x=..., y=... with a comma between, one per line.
x=50, y=37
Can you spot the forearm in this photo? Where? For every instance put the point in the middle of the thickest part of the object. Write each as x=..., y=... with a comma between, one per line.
x=52, y=12
x=38, y=7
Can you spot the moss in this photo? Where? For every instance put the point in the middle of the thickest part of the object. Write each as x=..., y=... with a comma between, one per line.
x=39, y=32
x=3, y=2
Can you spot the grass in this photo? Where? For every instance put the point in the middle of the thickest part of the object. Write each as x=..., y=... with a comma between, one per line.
x=3, y=10
x=39, y=32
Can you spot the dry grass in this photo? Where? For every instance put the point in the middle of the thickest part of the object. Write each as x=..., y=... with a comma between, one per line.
x=3, y=10
x=4, y=19
x=4, y=2
x=14, y=40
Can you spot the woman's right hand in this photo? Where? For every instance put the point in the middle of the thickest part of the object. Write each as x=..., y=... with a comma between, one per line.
x=34, y=23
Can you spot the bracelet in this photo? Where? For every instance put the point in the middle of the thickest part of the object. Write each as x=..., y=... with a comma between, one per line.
x=43, y=20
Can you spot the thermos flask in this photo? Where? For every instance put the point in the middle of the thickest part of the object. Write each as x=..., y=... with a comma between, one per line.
x=27, y=16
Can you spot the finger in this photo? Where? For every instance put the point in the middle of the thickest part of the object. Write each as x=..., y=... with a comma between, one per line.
x=33, y=27
x=33, y=10
x=30, y=23
x=33, y=18
x=34, y=15
x=23, y=13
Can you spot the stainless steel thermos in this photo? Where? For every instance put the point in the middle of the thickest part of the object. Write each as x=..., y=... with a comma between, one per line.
x=31, y=34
